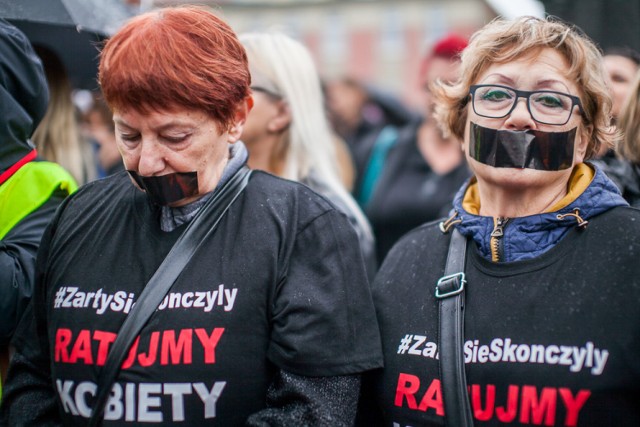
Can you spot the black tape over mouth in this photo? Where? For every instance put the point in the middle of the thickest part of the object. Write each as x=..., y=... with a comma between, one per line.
x=167, y=189
x=531, y=149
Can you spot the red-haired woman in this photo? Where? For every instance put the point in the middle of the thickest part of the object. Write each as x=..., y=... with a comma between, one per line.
x=270, y=322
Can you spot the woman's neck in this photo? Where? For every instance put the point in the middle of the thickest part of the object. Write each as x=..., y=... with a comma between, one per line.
x=268, y=155
x=512, y=203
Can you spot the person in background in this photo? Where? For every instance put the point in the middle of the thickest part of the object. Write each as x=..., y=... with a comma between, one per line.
x=629, y=147
x=346, y=99
x=287, y=133
x=30, y=189
x=422, y=170
x=58, y=137
x=346, y=166
x=551, y=274
x=367, y=119
x=621, y=64
x=98, y=127
x=271, y=320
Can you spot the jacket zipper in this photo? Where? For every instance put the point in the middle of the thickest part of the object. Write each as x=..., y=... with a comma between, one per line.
x=496, y=244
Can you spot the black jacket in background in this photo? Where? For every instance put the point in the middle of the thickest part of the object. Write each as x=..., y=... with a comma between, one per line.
x=23, y=101
x=409, y=193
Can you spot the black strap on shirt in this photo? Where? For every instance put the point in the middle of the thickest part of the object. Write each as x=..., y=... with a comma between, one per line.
x=200, y=228
x=450, y=292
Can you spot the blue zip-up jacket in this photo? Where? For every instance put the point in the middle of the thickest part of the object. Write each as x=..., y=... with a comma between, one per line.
x=529, y=236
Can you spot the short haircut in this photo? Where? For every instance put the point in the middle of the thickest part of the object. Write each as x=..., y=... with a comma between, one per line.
x=502, y=41
x=177, y=57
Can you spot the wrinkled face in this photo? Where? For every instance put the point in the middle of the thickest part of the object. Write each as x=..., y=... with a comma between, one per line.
x=543, y=71
x=163, y=142
x=621, y=72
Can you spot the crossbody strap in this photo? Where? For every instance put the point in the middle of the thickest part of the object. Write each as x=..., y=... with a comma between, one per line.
x=450, y=292
x=200, y=228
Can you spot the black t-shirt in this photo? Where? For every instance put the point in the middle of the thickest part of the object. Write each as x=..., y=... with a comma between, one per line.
x=553, y=340
x=280, y=284
x=409, y=193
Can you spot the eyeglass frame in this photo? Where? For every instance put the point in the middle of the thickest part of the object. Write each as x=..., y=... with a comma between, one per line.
x=268, y=92
x=527, y=95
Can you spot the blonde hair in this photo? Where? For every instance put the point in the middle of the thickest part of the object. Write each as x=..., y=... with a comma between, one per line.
x=629, y=122
x=502, y=41
x=57, y=137
x=310, y=146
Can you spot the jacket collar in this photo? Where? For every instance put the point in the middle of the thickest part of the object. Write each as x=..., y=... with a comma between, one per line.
x=590, y=193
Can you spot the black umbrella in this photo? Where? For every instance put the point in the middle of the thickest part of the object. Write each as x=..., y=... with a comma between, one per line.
x=73, y=29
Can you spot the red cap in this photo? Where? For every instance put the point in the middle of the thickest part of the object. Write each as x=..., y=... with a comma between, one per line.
x=449, y=46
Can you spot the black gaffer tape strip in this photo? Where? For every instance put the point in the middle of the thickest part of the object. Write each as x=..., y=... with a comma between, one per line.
x=170, y=188
x=532, y=149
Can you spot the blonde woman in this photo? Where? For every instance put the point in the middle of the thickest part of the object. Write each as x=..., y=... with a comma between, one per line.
x=551, y=281
x=58, y=137
x=623, y=167
x=287, y=133
x=629, y=147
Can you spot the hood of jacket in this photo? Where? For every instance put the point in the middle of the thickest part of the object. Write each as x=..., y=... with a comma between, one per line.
x=591, y=193
x=24, y=95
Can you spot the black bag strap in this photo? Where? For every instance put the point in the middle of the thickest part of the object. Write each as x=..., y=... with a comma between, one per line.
x=450, y=292
x=200, y=228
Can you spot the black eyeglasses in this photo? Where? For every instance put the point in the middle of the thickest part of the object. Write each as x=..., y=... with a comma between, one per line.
x=545, y=106
x=271, y=93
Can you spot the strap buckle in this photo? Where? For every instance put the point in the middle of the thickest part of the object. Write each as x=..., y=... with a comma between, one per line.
x=450, y=285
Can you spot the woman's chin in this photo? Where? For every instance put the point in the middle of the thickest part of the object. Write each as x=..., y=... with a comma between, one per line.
x=517, y=178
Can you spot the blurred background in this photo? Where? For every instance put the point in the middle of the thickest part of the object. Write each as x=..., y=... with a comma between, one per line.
x=377, y=42
x=380, y=42
x=376, y=59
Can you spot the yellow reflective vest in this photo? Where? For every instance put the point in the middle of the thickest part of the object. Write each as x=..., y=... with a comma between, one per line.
x=28, y=189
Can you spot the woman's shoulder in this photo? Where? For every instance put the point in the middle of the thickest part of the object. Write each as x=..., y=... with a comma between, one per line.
x=262, y=181
x=620, y=222
x=286, y=196
x=421, y=245
x=101, y=190
x=614, y=233
x=96, y=203
x=626, y=216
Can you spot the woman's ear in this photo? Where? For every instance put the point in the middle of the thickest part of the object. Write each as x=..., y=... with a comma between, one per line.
x=242, y=112
x=282, y=119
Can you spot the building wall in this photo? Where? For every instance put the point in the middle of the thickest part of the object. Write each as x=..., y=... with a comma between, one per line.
x=380, y=42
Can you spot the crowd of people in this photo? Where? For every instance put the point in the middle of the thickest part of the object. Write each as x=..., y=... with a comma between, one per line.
x=222, y=236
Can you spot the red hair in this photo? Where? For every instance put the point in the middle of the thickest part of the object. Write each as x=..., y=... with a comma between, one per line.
x=176, y=57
